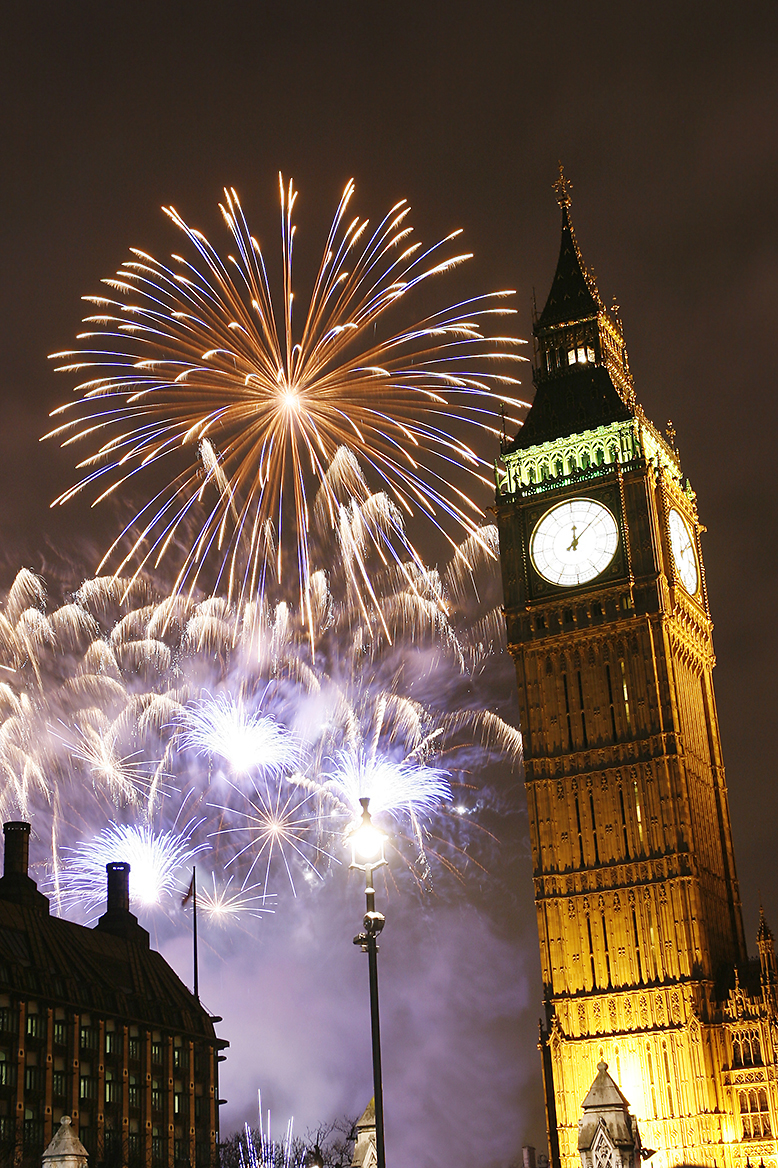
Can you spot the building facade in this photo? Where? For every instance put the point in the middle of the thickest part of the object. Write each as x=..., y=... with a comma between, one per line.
x=643, y=953
x=96, y=1026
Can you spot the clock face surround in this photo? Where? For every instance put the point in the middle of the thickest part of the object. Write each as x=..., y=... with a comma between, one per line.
x=682, y=547
x=574, y=542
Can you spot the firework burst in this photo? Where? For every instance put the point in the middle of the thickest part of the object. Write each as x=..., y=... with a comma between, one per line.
x=123, y=703
x=249, y=741
x=195, y=366
x=156, y=860
x=223, y=901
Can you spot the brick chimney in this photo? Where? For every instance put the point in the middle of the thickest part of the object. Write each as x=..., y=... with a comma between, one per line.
x=16, y=885
x=117, y=919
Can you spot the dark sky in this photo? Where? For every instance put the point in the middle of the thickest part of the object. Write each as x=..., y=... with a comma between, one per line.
x=665, y=117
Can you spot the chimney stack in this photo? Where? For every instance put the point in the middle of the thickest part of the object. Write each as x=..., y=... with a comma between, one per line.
x=16, y=885
x=17, y=848
x=118, y=887
x=117, y=918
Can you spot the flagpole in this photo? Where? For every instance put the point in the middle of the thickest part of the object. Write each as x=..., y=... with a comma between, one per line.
x=194, y=934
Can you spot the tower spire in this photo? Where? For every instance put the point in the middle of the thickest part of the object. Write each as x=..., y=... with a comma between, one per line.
x=562, y=187
x=574, y=295
x=580, y=357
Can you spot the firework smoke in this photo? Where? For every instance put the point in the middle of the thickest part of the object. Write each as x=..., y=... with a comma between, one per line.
x=122, y=704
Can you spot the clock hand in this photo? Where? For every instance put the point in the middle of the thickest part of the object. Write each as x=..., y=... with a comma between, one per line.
x=574, y=545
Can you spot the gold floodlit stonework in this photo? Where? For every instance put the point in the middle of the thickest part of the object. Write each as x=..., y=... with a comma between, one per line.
x=643, y=954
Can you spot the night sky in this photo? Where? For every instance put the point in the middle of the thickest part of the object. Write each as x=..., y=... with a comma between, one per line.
x=665, y=118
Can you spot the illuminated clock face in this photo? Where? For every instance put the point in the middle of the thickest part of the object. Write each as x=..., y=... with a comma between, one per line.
x=682, y=547
x=574, y=542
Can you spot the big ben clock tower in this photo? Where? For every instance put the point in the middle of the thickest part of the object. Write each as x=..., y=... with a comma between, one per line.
x=642, y=948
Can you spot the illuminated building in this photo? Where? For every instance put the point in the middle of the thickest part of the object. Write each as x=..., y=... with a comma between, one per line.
x=643, y=954
x=95, y=1025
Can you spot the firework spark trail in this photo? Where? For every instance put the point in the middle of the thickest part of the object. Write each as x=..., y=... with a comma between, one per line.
x=156, y=859
x=247, y=740
x=282, y=824
x=110, y=702
x=225, y=900
x=204, y=375
x=260, y=1150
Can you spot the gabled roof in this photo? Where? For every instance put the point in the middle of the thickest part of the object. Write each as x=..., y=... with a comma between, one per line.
x=367, y=1119
x=604, y=1092
x=573, y=294
x=605, y=1110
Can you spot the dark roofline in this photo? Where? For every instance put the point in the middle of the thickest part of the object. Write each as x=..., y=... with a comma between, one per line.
x=87, y=970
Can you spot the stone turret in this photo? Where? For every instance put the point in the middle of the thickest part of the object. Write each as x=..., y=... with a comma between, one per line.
x=365, y=1155
x=66, y=1149
x=608, y=1135
x=767, y=963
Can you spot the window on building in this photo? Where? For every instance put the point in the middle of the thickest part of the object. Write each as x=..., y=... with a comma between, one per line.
x=112, y=1142
x=755, y=1114
x=7, y=1070
x=33, y=1128
x=88, y=1087
x=60, y=1033
x=89, y=1037
x=157, y=1146
x=746, y=1049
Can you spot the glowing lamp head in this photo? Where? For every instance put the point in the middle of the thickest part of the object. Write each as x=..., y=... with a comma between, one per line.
x=367, y=841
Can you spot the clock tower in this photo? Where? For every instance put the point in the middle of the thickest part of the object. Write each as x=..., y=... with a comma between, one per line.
x=641, y=936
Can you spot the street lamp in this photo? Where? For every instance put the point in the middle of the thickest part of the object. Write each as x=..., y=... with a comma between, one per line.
x=367, y=854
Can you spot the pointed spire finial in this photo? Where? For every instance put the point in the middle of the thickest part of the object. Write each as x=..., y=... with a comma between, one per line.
x=562, y=186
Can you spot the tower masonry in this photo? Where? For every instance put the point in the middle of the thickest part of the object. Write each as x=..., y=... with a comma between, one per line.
x=642, y=948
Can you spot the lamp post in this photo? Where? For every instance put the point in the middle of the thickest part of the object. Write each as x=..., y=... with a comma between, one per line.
x=367, y=854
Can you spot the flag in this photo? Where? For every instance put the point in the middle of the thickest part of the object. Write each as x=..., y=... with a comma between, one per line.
x=190, y=893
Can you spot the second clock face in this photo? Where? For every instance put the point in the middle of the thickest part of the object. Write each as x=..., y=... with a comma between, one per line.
x=683, y=552
x=574, y=542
